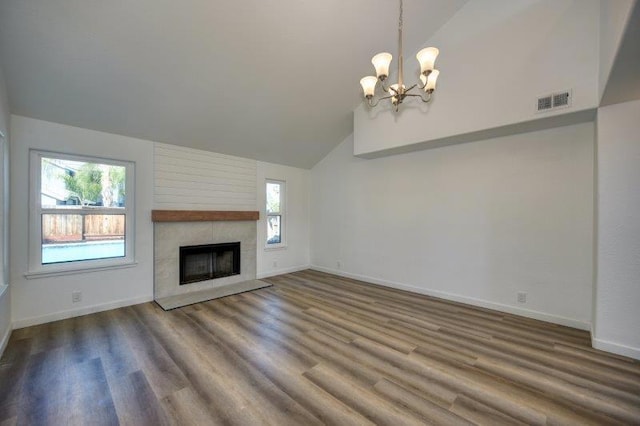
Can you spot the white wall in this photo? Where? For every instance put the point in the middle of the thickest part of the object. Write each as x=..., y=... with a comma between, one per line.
x=5, y=296
x=496, y=58
x=46, y=299
x=617, y=298
x=295, y=256
x=475, y=222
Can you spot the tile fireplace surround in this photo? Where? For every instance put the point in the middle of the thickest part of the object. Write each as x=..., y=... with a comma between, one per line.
x=173, y=229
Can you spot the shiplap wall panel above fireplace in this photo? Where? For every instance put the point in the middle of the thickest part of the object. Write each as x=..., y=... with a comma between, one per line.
x=191, y=179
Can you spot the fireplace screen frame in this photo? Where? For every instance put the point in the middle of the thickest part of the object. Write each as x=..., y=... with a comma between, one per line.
x=212, y=250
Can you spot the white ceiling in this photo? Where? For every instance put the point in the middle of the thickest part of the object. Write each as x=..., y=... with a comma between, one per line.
x=624, y=81
x=272, y=80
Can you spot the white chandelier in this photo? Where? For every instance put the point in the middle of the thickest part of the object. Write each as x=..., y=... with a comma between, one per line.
x=398, y=92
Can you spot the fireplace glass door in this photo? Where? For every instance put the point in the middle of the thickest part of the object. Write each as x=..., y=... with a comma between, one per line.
x=210, y=261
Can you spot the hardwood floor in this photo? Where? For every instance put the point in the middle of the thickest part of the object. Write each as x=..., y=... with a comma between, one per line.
x=313, y=349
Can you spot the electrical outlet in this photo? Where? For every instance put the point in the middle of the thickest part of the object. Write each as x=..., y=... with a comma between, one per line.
x=76, y=296
x=275, y=263
x=522, y=297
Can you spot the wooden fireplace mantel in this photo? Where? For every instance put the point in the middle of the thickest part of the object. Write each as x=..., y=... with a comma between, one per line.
x=201, y=215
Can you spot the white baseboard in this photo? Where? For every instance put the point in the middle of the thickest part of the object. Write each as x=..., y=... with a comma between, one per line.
x=282, y=271
x=5, y=340
x=85, y=310
x=615, y=348
x=542, y=316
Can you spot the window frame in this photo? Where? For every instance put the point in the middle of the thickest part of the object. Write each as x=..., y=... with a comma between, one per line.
x=281, y=213
x=35, y=266
x=4, y=213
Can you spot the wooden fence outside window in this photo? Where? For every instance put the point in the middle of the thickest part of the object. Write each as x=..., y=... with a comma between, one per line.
x=64, y=228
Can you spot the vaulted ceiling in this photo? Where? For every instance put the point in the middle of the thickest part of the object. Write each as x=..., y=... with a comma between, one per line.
x=272, y=80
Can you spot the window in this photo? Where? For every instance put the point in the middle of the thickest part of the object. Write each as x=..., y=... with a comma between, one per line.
x=275, y=213
x=81, y=212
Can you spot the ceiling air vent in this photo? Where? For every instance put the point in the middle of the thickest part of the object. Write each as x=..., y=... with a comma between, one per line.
x=561, y=100
x=544, y=103
x=554, y=101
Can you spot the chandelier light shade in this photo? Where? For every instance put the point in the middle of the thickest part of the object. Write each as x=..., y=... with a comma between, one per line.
x=429, y=83
x=381, y=63
x=398, y=92
x=430, y=87
x=393, y=92
x=369, y=85
x=427, y=57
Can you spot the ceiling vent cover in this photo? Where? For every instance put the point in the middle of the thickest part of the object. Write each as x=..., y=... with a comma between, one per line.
x=544, y=103
x=554, y=101
x=561, y=99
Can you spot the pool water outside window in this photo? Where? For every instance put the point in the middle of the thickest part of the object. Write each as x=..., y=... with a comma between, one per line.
x=56, y=253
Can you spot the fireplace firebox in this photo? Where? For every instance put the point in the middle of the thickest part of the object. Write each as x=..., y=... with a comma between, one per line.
x=209, y=261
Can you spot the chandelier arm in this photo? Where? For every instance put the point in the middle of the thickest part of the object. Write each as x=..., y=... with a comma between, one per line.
x=372, y=105
x=410, y=88
x=421, y=98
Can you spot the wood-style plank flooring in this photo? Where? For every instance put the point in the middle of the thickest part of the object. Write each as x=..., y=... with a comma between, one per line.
x=313, y=349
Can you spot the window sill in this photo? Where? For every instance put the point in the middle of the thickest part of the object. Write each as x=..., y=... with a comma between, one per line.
x=275, y=248
x=45, y=274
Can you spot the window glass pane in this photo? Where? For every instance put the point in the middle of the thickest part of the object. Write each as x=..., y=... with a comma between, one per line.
x=72, y=237
x=273, y=197
x=274, y=235
x=66, y=182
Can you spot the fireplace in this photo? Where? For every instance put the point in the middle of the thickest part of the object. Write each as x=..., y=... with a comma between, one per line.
x=209, y=261
x=177, y=230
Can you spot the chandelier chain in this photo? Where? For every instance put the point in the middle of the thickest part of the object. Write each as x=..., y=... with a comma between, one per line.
x=401, y=56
